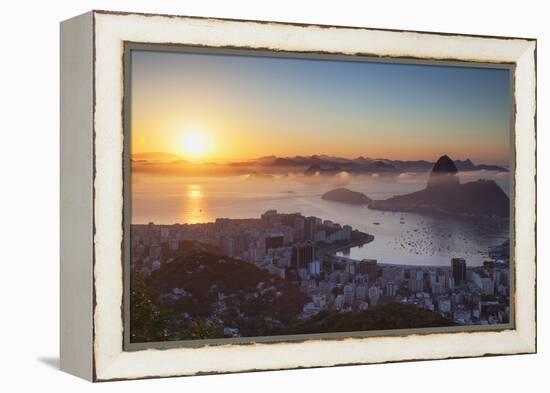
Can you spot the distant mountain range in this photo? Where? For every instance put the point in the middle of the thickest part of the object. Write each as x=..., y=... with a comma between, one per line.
x=329, y=165
x=173, y=164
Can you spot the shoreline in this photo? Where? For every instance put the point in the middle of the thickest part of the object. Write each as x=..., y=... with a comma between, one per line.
x=331, y=250
x=429, y=211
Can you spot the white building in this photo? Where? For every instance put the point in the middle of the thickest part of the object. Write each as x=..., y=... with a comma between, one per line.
x=315, y=268
x=374, y=295
x=363, y=306
x=391, y=289
x=339, y=302
x=416, y=281
x=444, y=305
x=362, y=292
x=320, y=236
x=349, y=294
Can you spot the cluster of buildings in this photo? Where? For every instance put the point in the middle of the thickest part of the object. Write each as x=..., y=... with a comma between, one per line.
x=466, y=295
x=302, y=250
x=275, y=242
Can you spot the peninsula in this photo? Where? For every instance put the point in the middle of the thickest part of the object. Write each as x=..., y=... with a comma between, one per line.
x=445, y=194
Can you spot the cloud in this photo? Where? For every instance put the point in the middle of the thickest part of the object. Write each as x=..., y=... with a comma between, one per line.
x=342, y=179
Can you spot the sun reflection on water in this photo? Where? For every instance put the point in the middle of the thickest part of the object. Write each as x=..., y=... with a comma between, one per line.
x=193, y=211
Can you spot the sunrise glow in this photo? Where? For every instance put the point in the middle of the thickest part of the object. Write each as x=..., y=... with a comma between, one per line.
x=194, y=144
x=218, y=107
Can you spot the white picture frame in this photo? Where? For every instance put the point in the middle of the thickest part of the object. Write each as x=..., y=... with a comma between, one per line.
x=92, y=194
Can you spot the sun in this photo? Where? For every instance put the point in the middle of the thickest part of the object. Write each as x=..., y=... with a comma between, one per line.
x=194, y=144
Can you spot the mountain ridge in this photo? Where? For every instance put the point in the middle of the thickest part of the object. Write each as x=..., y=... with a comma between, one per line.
x=360, y=164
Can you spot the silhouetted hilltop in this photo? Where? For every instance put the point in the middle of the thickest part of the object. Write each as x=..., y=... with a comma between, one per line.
x=468, y=165
x=345, y=195
x=443, y=173
x=445, y=194
x=444, y=165
x=465, y=165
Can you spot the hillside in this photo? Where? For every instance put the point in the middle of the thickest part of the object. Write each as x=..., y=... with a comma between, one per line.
x=383, y=317
x=203, y=287
x=201, y=292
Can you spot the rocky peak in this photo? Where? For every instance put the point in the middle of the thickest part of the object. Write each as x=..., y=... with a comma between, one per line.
x=443, y=173
x=445, y=165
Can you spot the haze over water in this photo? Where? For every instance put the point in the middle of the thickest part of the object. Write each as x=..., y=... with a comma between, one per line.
x=211, y=112
x=400, y=238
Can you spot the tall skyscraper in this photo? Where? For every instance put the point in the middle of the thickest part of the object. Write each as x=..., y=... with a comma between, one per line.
x=369, y=267
x=458, y=266
x=310, y=228
x=299, y=228
x=270, y=218
x=416, y=281
x=302, y=255
x=228, y=246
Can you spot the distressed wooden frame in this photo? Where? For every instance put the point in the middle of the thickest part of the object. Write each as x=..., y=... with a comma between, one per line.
x=92, y=187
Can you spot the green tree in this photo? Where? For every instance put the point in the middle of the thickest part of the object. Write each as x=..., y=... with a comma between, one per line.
x=147, y=321
x=200, y=330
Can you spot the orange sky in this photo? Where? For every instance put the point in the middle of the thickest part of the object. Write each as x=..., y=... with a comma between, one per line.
x=241, y=107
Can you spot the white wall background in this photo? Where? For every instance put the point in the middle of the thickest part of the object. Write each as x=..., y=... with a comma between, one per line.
x=29, y=204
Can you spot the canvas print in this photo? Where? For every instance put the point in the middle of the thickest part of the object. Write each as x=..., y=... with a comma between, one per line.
x=282, y=196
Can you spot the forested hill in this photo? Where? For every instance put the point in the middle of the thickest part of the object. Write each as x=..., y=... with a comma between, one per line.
x=201, y=292
x=383, y=317
x=203, y=286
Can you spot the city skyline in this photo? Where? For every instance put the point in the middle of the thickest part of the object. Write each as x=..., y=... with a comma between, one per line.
x=225, y=107
x=292, y=281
